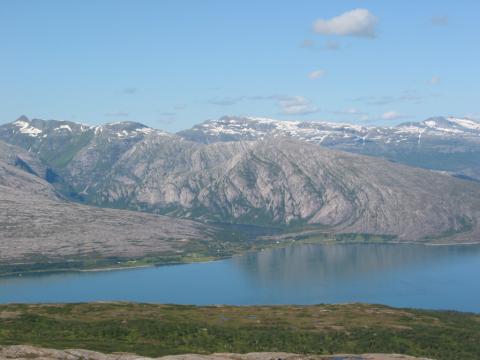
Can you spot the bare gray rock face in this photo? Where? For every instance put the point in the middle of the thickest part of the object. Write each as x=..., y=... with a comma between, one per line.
x=286, y=182
x=277, y=181
x=37, y=225
x=24, y=352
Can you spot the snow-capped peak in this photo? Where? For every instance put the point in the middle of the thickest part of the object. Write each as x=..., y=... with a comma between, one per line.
x=25, y=127
x=231, y=128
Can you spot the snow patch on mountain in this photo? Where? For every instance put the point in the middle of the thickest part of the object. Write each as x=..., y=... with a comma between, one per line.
x=231, y=128
x=466, y=123
x=63, y=127
x=26, y=128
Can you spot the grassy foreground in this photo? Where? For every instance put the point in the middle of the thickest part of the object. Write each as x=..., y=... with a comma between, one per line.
x=155, y=330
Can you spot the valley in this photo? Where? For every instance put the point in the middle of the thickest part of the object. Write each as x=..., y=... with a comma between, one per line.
x=123, y=194
x=239, y=180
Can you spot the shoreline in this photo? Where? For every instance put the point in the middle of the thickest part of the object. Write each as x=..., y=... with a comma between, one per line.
x=274, y=245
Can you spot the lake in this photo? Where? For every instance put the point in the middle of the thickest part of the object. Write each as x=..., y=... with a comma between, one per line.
x=432, y=277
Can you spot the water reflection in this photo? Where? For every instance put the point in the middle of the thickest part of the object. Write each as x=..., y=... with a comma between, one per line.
x=442, y=277
x=309, y=263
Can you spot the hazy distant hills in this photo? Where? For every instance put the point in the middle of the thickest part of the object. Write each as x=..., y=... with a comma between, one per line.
x=273, y=177
x=447, y=144
x=38, y=225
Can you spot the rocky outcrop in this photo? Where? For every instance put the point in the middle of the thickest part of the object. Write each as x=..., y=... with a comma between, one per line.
x=24, y=352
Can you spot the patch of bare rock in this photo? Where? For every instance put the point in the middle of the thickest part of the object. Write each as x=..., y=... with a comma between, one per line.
x=25, y=352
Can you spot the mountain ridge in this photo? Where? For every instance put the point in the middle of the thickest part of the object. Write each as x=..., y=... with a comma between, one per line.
x=449, y=144
x=442, y=143
x=39, y=226
x=276, y=181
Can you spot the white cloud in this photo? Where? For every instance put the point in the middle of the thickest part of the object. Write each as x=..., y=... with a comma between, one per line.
x=357, y=22
x=392, y=115
x=317, y=74
x=296, y=105
x=288, y=105
x=435, y=80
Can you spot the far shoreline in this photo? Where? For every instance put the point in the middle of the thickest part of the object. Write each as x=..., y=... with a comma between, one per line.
x=208, y=259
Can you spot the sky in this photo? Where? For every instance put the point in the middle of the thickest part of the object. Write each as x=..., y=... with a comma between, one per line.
x=171, y=64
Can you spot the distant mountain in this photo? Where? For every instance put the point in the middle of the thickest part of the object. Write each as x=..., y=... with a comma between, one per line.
x=57, y=142
x=446, y=144
x=278, y=181
x=37, y=225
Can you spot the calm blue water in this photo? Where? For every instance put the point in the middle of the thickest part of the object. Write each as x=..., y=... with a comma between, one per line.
x=442, y=277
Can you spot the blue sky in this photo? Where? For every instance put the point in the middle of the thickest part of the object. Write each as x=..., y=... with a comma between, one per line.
x=174, y=63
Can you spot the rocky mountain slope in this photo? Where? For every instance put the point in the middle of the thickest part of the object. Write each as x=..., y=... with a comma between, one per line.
x=37, y=225
x=449, y=144
x=277, y=181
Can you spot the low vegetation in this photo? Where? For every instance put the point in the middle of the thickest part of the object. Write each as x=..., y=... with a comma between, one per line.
x=155, y=330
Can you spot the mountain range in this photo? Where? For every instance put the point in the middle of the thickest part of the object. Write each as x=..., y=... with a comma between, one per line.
x=441, y=143
x=126, y=189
